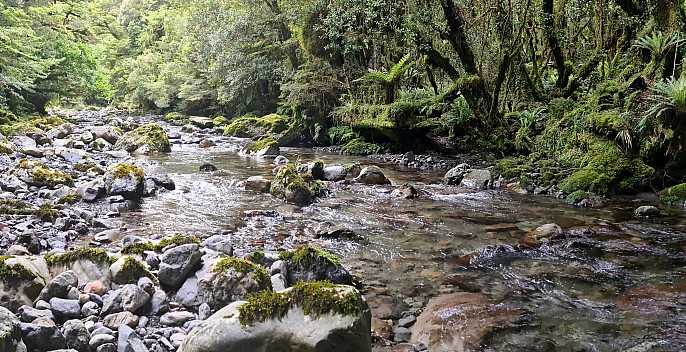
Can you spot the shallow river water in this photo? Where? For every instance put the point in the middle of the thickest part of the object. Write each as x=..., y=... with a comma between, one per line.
x=613, y=283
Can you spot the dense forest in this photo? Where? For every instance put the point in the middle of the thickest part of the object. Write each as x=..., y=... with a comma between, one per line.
x=585, y=94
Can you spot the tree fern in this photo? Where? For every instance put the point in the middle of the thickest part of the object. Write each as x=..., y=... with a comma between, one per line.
x=390, y=79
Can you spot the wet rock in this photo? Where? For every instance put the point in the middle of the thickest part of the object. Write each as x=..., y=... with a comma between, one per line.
x=280, y=160
x=177, y=263
x=334, y=173
x=207, y=168
x=647, y=211
x=114, y=321
x=386, y=306
x=76, y=335
x=10, y=332
x=330, y=332
x=372, y=175
x=311, y=264
x=407, y=158
x=455, y=175
x=258, y=184
x=129, y=341
x=125, y=180
x=65, y=308
x=461, y=321
x=405, y=191
x=42, y=337
x=476, y=179
x=541, y=234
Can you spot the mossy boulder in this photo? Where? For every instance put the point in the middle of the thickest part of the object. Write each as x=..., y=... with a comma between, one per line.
x=88, y=264
x=290, y=186
x=21, y=280
x=127, y=270
x=250, y=126
x=264, y=147
x=144, y=139
x=675, y=195
x=584, y=199
x=175, y=116
x=126, y=180
x=314, y=264
x=38, y=174
x=358, y=146
x=607, y=171
x=220, y=121
x=6, y=147
x=306, y=317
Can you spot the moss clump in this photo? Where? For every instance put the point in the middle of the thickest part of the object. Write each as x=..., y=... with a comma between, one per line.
x=359, y=147
x=72, y=198
x=131, y=265
x=177, y=240
x=219, y=121
x=577, y=196
x=255, y=256
x=151, y=136
x=319, y=189
x=283, y=178
x=266, y=143
x=137, y=248
x=6, y=147
x=92, y=254
x=41, y=175
x=85, y=168
x=316, y=299
x=675, y=195
x=128, y=171
x=174, y=116
x=250, y=126
x=19, y=126
x=14, y=272
x=46, y=212
x=245, y=267
x=309, y=256
x=317, y=169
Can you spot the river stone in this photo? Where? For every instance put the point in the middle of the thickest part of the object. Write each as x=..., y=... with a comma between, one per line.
x=122, y=272
x=88, y=271
x=144, y=139
x=29, y=314
x=177, y=318
x=476, y=179
x=455, y=175
x=133, y=297
x=319, y=268
x=647, y=211
x=461, y=321
x=125, y=180
x=114, y=321
x=76, y=334
x=90, y=309
x=10, y=332
x=42, y=337
x=546, y=232
x=258, y=184
x=201, y=122
x=65, y=308
x=92, y=190
x=372, y=175
x=16, y=291
x=129, y=341
x=295, y=331
x=334, y=173
x=59, y=286
x=100, y=339
x=108, y=347
x=100, y=145
x=113, y=302
x=177, y=263
x=110, y=134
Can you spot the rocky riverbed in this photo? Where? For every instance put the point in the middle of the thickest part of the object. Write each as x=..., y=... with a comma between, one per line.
x=127, y=232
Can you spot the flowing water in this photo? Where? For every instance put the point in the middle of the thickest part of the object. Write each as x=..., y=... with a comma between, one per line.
x=614, y=282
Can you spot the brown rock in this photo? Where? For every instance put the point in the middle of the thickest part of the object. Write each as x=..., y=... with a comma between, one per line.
x=461, y=321
x=113, y=321
x=258, y=184
x=381, y=329
x=95, y=287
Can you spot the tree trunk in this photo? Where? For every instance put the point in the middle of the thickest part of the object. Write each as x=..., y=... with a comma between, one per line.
x=554, y=44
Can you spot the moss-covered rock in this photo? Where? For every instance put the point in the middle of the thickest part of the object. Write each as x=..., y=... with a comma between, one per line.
x=38, y=174
x=85, y=253
x=267, y=146
x=71, y=198
x=250, y=126
x=175, y=117
x=358, y=146
x=220, y=121
x=144, y=139
x=127, y=270
x=608, y=171
x=126, y=180
x=675, y=195
x=6, y=147
x=290, y=186
x=314, y=264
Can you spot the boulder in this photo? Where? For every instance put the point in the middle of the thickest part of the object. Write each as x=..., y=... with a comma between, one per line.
x=10, y=332
x=647, y=211
x=42, y=337
x=177, y=263
x=334, y=173
x=133, y=297
x=128, y=269
x=258, y=184
x=114, y=321
x=110, y=134
x=201, y=122
x=144, y=139
x=372, y=175
x=461, y=321
x=264, y=147
x=290, y=186
x=129, y=341
x=455, y=175
x=476, y=179
x=22, y=281
x=342, y=324
x=38, y=174
x=76, y=335
x=65, y=308
x=221, y=281
x=313, y=264
x=125, y=180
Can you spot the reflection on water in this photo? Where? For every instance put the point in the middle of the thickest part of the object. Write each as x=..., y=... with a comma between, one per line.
x=615, y=282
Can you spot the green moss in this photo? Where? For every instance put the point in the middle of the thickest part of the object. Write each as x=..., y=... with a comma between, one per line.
x=92, y=254
x=359, y=147
x=21, y=126
x=45, y=176
x=255, y=256
x=44, y=211
x=309, y=256
x=319, y=188
x=151, y=135
x=134, y=267
x=261, y=144
x=675, y=195
x=318, y=169
x=245, y=267
x=14, y=272
x=252, y=126
x=72, y=198
x=85, y=168
x=284, y=176
x=177, y=240
x=316, y=299
x=220, y=121
x=128, y=171
x=174, y=116
x=137, y=248
x=6, y=147
x=577, y=196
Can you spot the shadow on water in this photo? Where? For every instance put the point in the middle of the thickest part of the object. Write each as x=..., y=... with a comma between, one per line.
x=610, y=283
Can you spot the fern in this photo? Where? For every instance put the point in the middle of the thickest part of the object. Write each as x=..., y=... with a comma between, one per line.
x=658, y=43
x=390, y=79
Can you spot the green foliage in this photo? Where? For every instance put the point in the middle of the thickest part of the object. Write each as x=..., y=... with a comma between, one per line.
x=576, y=197
x=251, y=126
x=341, y=134
x=245, y=267
x=658, y=43
x=72, y=198
x=316, y=299
x=309, y=256
x=85, y=253
x=675, y=195
x=358, y=146
x=390, y=79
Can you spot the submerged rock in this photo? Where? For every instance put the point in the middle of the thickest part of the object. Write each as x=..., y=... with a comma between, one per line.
x=309, y=317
